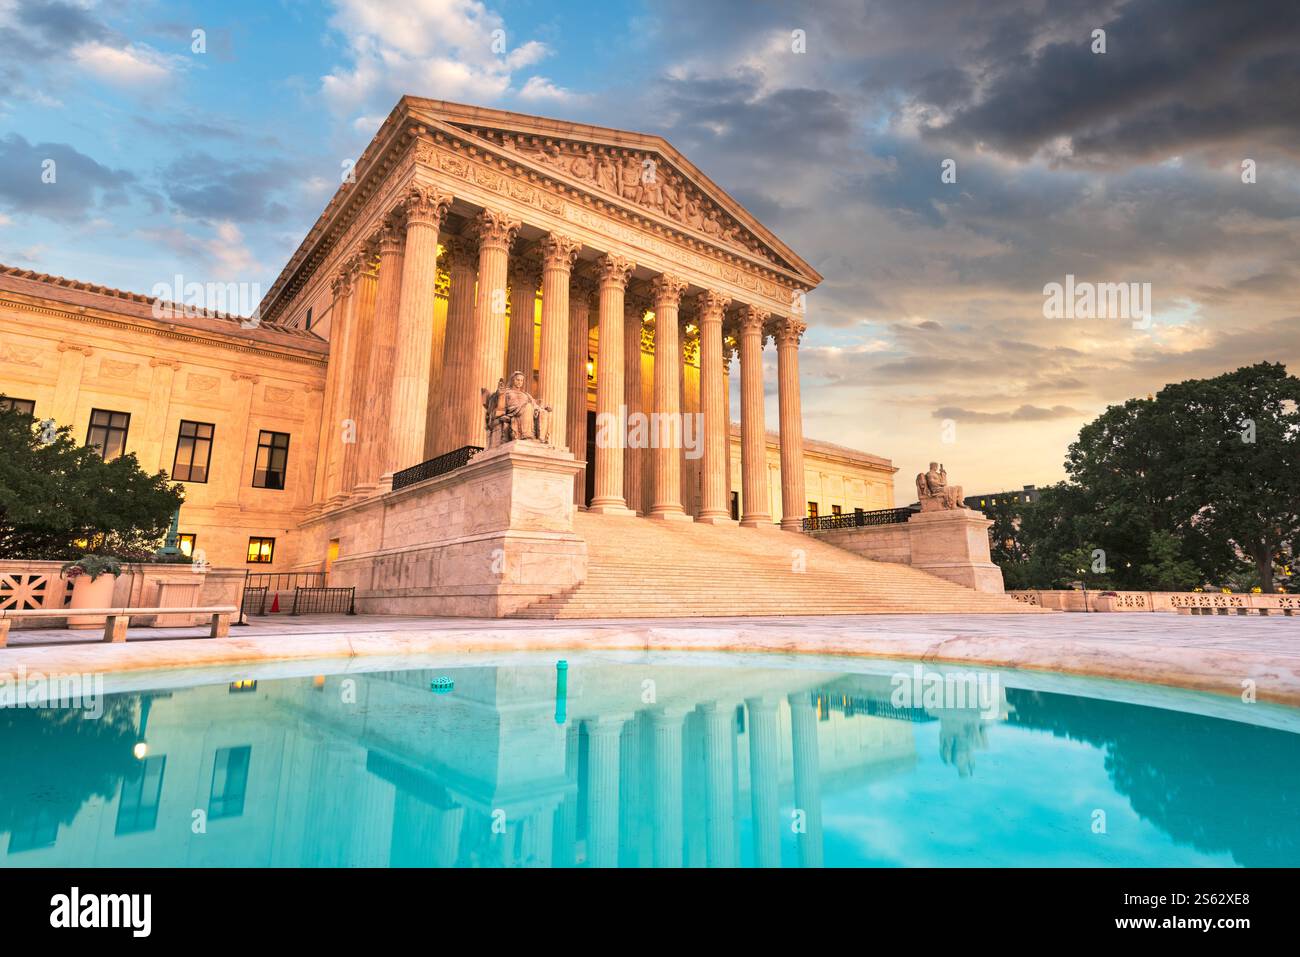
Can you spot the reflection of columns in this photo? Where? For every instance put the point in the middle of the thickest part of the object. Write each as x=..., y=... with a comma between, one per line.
x=363, y=309
x=666, y=800
x=764, y=767
x=538, y=837
x=753, y=434
x=566, y=815
x=603, y=735
x=372, y=834
x=553, y=367
x=524, y=277
x=630, y=801
x=713, y=400
x=608, y=495
x=376, y=409
x=788, y=334
x=667, y=447
x=424, y=208
x=634, y=455
x=719, y=730
x=807, y=776
x=579, y=344
x=495, y=232
x=459, y=410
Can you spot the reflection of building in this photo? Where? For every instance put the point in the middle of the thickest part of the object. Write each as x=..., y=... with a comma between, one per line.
x=377, y=770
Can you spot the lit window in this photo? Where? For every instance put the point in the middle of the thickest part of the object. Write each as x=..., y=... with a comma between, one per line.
x=836, y=510
x=108, y=432
x=812, y=509
x=193, y=452
x=272, y=460
x=185, y=542
x=261, y=550
x=18, y=405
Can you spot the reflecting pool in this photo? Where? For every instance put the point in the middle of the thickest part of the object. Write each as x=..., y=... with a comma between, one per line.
x=646, y=760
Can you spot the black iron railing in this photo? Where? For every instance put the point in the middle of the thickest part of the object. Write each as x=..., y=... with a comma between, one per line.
x=857, y=519
x=436, y=466
x=324, y=601
x=284, y=581
x=254, y=602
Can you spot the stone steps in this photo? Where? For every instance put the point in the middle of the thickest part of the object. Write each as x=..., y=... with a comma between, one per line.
x=639, y=568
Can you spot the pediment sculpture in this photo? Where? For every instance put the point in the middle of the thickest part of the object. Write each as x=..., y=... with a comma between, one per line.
x=934, y=492
x=512, y=413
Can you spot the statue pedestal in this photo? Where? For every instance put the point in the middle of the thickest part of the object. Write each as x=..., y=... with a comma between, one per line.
x=954, y=544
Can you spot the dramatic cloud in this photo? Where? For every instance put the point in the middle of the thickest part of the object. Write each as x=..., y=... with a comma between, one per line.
x=56, y=181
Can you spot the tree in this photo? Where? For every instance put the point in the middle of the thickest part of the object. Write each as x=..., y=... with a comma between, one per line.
x=59, y=499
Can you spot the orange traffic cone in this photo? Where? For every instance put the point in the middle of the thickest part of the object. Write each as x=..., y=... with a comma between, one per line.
x=275, y=603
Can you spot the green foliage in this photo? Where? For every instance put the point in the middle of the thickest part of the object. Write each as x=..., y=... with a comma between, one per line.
x=60, y=500
x=94, y=566
x=1195, y=485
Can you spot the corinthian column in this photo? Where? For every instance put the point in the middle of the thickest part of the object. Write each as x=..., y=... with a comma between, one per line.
x=456, y=428
x=634, y=455
x=374, y=424
x=495, y=232
x=579, y=343
x=713, y=399
x=753, y=433
x=352, y=415
x=603, y=735
x=425, y=208
x=788, y=333
x=525, y=273
x=610, y=427
x=558, y=256
x=343, y=339
x=666, y=448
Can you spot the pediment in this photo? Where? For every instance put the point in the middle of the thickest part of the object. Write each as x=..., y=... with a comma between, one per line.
x=633, y=169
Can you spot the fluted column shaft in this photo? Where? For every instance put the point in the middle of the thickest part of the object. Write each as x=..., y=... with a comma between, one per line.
x=424, y=209
x=666, y=449
x=524, y=277
x=666, y=798
x=458, y=411
x=579, y=343
x=603, y=736
x=720, y=811
x=634, y=453
x=788, y=334
x=367, y=294
x=374, y=426
x=495, y=232
x=610, y=427
x=764, y=769
x=339, y=377
x=554, y=364
x=807, y=777
x=435, y=426
x=713, y=400
x=753, y=433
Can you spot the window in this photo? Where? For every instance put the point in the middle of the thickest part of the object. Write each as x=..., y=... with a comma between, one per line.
x=108, y=432
x=307, y=321
x=193, y=452
x=261, y=550
x=229, y=782
x=186, y=543
x=735, y=500
x=35, y=829
x=272, y=459
x=137, y=809
x=18, y=405
x=836, y=510
x=812, y=509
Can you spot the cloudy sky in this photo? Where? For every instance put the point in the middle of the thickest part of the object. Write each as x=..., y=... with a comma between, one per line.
x=928, y=337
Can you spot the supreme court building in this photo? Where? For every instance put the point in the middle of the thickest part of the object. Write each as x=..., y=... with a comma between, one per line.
x=341, y=428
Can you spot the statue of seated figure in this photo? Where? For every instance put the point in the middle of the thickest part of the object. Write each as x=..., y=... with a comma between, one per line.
x=513, y=413
x=934, y=492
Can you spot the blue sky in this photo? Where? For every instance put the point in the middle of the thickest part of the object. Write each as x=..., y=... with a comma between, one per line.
x=1122, y=166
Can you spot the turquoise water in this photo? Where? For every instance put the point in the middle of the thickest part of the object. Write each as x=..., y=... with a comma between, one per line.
x=648, y=762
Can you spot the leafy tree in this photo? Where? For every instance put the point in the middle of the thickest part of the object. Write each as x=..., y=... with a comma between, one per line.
x=59, y=499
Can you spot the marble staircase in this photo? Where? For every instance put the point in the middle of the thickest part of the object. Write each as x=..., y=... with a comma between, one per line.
x=639, y=568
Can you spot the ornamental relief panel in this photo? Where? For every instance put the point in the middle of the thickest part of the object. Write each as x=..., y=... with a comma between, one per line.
x=114, y=369
x=20, y=355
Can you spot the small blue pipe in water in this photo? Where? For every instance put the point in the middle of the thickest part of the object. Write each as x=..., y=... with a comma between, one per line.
x=561, y=691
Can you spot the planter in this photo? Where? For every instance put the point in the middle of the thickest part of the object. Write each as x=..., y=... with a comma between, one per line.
x=90, y=594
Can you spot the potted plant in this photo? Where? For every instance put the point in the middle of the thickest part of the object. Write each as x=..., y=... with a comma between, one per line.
x=92, y=577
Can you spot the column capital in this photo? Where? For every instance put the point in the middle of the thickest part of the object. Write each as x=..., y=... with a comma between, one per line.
x=710, y=305
x=425, y=206
x=635, y=306
x=614, y=270
x=525, y=271
x=788, y=330
x=341, y=284
x=389, y=235
x=459, y=253
x=559, y=251
x=582, y=286
x=666, y=290
x=495, y=228
x=752, y=319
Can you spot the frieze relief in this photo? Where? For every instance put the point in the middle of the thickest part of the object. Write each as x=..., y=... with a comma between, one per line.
x=20, y=355
x=113, y=369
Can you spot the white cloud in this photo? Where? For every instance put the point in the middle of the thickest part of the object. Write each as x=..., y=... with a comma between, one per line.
x=131, y=66
x=540, y=88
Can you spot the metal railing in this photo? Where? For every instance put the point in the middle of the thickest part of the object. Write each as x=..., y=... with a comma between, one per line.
x=284, y=581
x=324, y=601
x=858, y=519
x=435, y=466
x=254, y=602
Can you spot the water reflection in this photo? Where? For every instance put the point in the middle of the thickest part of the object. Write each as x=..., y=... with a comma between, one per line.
x=634, y=765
